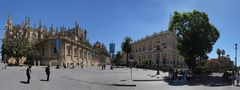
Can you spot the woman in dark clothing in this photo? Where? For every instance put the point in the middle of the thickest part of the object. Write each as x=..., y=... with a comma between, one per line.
x=47, y=70
x=28, y=72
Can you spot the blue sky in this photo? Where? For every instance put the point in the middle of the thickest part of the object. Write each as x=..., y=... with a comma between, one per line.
x=107, y=20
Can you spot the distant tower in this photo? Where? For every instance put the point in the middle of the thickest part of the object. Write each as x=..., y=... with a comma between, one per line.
x=170, y=20
x=112, y=49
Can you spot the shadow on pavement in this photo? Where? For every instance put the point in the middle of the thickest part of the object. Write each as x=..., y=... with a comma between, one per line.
x=24, y=82
x=237, y=85
x=154, y=76
x=212, y=81
x=43, y=80
x=123, y=85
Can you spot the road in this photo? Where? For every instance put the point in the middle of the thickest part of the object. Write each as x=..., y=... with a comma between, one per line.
x=93, y=78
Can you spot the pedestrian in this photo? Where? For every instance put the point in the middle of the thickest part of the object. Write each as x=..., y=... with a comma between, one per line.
x=28, y=72
x=233, y=77
x=47, y=70
x=104, y=66
x=64, y=66
x=5, y=65
x=173, y=74
x=176, y=74
x=81, y=64
x=237, y=78
x=170, y=73
x=111, y=67
x=185, y=75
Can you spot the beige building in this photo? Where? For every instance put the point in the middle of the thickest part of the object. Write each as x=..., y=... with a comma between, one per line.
x=69, y=47
x=145, y=52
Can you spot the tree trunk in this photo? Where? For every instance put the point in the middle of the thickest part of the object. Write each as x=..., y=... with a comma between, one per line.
x=17, y=60
x=191, y=62
x=127, y=60
x=219, y=58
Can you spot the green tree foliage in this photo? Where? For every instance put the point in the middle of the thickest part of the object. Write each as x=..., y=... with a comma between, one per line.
x=195, y=34
x=32, y=53
x=223, y=52
x=126, y=46
x=117, y=60
x=220, y=53
x=16, y=43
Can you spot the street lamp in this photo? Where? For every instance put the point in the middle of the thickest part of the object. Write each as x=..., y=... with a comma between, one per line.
x=236, y=56
x=158, y=49
x=131, y=57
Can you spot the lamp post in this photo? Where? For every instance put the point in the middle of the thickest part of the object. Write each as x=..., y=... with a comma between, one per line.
x=158, y=49
x=236, y=56
x=131, y=57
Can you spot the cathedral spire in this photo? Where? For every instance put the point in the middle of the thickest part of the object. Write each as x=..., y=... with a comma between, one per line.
x=40, y=26
x=76, y=24
x=56, y=29
x=44, y=28
x=34, y=28
x=51, y=28
x=25, y=19
x=76, y=28
x=62, y=28
x=9, y=22
x=27, y=22
x=57, y=32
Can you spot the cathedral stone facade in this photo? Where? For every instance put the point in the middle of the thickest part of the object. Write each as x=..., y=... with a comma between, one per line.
x=64, y=47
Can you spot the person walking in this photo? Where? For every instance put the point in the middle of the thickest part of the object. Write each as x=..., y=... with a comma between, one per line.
x=176, y=74
x=233, y=77
x=170, y=74
x=28, y=72
x=47, y=70
x=111, y=67
x=104, y=66
x=4, y=66
x=237, y=78
x=81, y=64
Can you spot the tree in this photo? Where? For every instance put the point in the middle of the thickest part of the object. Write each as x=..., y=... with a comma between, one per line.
x=223, y=52
x=16, y=43
x=117, y=60
x=126, y=46
x=32, y=53
x=195, y=35
x=219, y=54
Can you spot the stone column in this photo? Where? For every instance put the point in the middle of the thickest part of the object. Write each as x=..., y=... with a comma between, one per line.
x=50, y=63
x=38, y=62
x=83, y=57
x=34, y=63
x=61, y=64
x=87, y=59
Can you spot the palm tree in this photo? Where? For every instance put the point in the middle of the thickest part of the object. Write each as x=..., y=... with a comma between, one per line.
x=126, y=46
x=223, y=53
x=219, y=53
x=117, y=59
